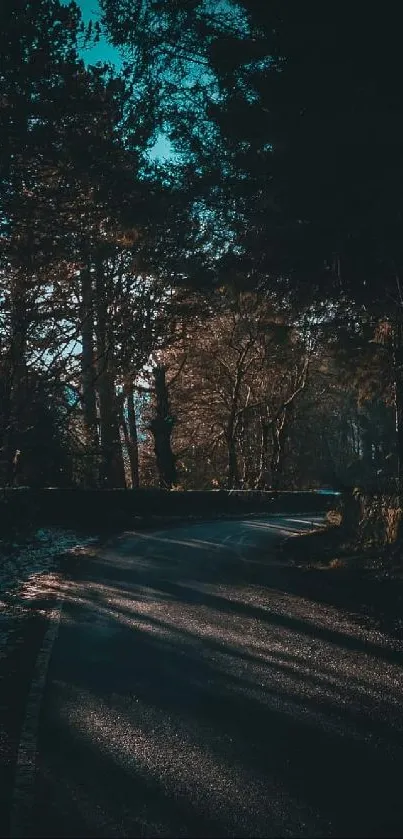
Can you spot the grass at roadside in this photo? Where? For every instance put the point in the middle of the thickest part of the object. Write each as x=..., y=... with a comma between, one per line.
x=367, y=581
x=330, y=549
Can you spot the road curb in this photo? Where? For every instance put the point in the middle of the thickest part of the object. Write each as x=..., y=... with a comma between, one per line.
x=23, y=794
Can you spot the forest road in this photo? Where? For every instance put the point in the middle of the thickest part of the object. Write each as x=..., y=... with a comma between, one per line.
x=196, y=688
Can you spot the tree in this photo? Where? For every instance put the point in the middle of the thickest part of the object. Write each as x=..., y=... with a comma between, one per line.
x=80, y=232
x=318, y=158
x=161, y=426
x=234, y=371
x=37, y=43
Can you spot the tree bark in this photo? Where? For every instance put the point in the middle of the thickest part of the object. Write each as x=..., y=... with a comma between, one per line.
x=131, y=437
x=398, y=393
x=263, y=454
x=276, y=425
x=112, y=470
x=14, y=373
x=278, y=433
x=88, y=381
x=161, y=427
x=233, y=466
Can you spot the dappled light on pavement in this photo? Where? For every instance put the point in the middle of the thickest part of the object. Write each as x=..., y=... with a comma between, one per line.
x=185, y=701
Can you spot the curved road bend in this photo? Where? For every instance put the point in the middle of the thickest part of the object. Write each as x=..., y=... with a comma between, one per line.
x=194, y=691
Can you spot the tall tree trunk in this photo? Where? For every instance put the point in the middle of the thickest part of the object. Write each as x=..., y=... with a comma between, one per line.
x=131, y=436
x=88, y=381
x=398, y=393
x=278, y=435
x=245, y=454
x=230, y=434
x=112, y=470
x=276, y=424
x=233, y=466
x=13, y=394
x=161, y=427
x=261, y=480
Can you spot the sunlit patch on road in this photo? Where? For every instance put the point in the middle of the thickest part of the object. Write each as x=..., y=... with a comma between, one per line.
x=210, y=696
x=178, y=755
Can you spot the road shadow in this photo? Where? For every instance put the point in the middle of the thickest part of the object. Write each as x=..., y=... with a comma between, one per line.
x=375, y=593
x=215, y=697
x=214, y=563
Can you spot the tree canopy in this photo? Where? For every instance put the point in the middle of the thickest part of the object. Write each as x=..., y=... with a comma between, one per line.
x=188, y=313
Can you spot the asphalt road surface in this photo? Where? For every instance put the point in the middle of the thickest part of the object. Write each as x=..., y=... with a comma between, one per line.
x=194, y=690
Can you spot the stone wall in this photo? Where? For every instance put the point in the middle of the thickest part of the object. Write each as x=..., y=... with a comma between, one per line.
x=101, y=508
